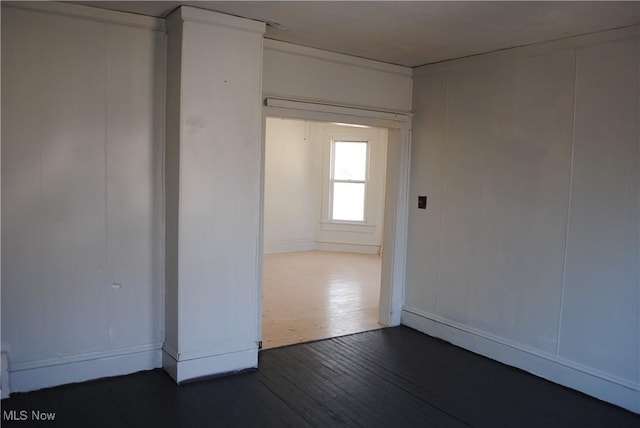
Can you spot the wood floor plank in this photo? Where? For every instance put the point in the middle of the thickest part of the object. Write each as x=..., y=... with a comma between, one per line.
x=459, y=389
x=318, y=403
x=391, y=377
x=480, y=391
x=377, y=393
x=333, y=391
x=428, y=390
x=275, y=411
x=388, y=390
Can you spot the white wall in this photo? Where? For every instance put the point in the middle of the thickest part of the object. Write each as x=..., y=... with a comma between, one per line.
x=82, y=138
x=297, y=160
x=301, y=73
x=290, y=191
x=528, y=250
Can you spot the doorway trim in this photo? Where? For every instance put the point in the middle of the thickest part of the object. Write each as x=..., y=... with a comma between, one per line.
x=396, y=212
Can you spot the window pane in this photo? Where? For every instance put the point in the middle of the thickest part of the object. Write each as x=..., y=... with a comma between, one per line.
x=348, y=201
x=349, y=160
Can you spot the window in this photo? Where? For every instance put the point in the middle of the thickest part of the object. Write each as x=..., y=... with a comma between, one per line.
x=349, y=170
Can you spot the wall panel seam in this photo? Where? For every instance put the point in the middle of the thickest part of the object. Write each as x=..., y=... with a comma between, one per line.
x=443, y=165
x=569, y=197
x=107, y=260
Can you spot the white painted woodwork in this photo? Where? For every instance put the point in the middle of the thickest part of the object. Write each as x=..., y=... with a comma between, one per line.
x=390, y=305
x=301, y=73
x=396, y=191
x=332, y=235
x=528, y=249
x=395, y=228
x=213, y=193
x=82, y=138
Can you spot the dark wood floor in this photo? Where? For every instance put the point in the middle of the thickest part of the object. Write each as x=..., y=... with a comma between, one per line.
x=394, y=377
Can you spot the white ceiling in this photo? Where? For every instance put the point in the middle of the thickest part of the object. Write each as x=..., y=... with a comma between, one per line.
x=412, y=33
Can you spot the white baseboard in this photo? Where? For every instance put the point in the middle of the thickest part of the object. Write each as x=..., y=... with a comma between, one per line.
x=348, y=248
x=288, y=246
x=44, y=374
x=294, y=246
x=213, y=365
x=567, y=373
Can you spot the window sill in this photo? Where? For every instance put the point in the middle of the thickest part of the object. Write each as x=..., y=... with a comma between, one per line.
x=334, y=226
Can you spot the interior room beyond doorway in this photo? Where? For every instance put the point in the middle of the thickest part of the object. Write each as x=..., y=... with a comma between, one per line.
x=323, y=217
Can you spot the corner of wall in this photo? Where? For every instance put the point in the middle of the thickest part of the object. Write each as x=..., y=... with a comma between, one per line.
x=565, y=373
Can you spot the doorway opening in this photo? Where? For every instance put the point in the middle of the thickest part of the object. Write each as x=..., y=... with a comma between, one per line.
x=324, y=203
x=393, y=245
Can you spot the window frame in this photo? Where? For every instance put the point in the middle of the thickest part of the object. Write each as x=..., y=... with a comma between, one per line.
x=333, y=180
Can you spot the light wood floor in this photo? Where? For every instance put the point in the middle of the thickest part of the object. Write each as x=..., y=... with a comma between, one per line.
x=315, y=295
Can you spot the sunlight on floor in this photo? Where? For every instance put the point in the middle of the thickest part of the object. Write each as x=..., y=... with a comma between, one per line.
x=315, y=295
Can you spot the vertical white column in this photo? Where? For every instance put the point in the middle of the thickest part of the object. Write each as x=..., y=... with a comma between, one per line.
x=212, y=193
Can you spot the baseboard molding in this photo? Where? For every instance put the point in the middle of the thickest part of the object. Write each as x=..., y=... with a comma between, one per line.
x=605, y=387
x=288, y=246
x=347, y=248
x=305, y=245
x=213, y=365
x=37, y=375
